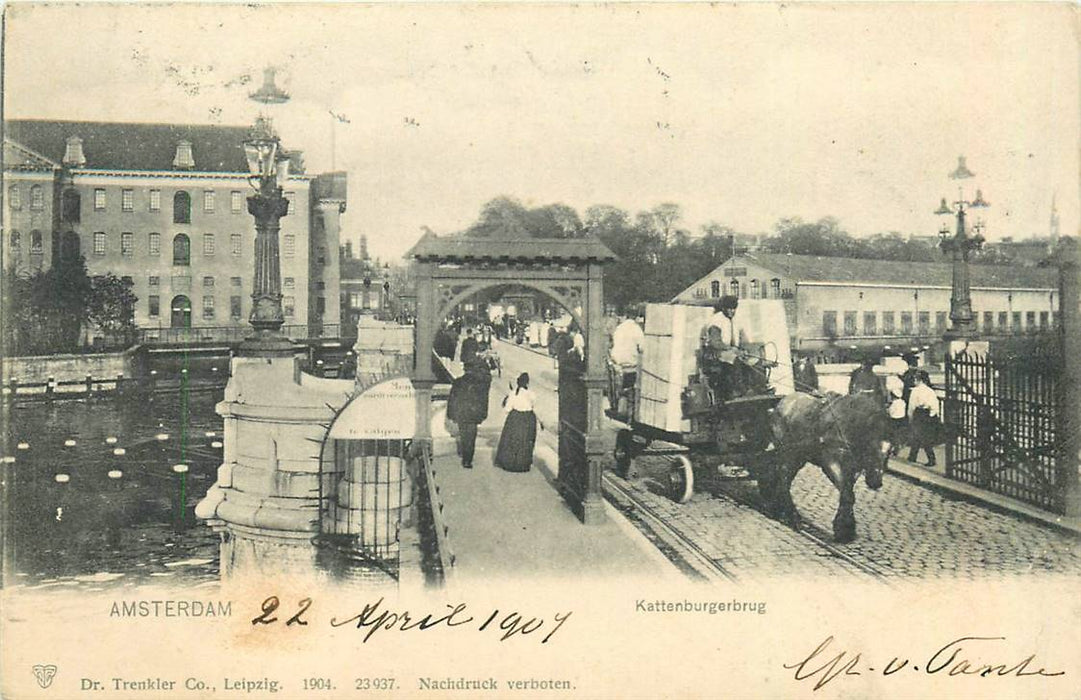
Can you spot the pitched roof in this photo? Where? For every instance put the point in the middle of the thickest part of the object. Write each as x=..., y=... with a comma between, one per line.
x=458, y=248
x=820, y=268
x=119, y=146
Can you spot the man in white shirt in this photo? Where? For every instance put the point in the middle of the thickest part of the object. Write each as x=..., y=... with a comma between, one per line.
x=627, y=341
x=720, y=343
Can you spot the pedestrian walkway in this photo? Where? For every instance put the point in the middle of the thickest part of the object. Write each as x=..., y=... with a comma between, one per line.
x=506, y=525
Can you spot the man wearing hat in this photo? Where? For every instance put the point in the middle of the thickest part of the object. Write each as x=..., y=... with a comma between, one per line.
x=863, y=379
x=720, y=353
x=467, y=405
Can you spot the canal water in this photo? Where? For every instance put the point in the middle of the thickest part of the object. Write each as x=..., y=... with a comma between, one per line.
x=102, y=491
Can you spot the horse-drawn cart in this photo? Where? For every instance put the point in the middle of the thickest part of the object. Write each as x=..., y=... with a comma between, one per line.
x=671, y=410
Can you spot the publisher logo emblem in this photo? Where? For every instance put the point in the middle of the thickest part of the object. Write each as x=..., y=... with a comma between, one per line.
x=45, y=674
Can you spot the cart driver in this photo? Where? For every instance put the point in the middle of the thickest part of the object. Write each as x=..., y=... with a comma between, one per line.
x=627, y=342
x=720, y=351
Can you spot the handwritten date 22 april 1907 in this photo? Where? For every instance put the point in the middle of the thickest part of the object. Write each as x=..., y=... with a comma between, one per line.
x=952, y=659
x=374, y=617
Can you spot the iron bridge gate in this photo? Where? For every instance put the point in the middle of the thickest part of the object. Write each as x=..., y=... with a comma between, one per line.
x=1007, y=417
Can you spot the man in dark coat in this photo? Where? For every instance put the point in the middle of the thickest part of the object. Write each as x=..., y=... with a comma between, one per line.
x=467, y=405
x=863, y=379
x=469, y=347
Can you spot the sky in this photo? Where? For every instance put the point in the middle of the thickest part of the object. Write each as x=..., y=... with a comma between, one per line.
x=742, y=114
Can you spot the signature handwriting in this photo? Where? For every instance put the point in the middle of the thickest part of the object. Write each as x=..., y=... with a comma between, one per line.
x=823, y=665
x=376, y=617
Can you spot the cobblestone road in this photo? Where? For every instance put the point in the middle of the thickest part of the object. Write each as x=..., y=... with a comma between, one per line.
x=904, y=530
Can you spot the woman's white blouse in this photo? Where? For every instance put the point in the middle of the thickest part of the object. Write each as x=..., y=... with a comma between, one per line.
x=522, y=400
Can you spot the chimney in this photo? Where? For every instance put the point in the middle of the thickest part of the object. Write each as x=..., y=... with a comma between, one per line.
x=73, y=152
x=363, y=247
x=184, y=157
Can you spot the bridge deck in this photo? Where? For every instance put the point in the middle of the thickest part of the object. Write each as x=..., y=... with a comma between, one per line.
x=506, y=525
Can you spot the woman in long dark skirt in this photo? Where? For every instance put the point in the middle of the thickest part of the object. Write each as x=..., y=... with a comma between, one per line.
x=515, y=452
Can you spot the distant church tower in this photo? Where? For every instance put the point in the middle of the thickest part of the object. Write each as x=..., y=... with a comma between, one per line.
x=1054, y=222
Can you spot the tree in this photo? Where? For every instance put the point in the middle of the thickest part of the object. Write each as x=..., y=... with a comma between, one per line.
x=47, y=311
x=111, y=306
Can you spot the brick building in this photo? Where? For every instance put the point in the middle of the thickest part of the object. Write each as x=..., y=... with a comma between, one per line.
x=165, y=205
x=841, y=302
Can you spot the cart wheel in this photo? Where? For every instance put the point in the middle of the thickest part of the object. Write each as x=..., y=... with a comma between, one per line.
x=681, y=480
x=623, y=454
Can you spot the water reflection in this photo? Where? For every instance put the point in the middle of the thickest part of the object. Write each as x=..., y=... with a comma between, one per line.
x=122, y=509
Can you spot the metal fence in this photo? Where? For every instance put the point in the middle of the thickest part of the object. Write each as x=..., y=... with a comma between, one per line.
x=1007, y=413
x=226, y=334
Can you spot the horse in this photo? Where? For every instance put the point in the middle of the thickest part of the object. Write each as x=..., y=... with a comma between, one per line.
x=842, y=435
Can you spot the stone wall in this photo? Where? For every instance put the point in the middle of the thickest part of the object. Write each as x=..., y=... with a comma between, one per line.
x=75, y=367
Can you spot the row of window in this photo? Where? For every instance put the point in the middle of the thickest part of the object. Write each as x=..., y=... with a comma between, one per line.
x=37, y=197
x=182, y=245
x=754, y=289
x=36, y=242
x=1006, y=322
x=71, y=209
x=182, y=305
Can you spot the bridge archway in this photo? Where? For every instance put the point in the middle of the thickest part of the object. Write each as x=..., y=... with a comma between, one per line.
x=451, y=269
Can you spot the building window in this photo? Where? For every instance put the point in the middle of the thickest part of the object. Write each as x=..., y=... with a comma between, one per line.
x=36, y=244
x=71, y=206
x=1016, y=321
x=208, y=307
x=1030, y=321
x=940, y=321
x=715, y=289
x=181, y=208
x=154, y=244
x=153, y=281
x=322, y=256
x=289, y=245
x=16, y=240
x=870, y=323
x=99, y=199
x=37, y=198
x=235, y=310
x=906, y=323
x=208, y=200
x=925, y=323
x=829, y=324
x=1002, y=327
x=127, y=244
x=775, y=288
x=208, y=244
x=208, y=282
x=127, y=200
x=288, y=283
x=155, y=200
x=320, y=285
x=355, y=302
x=288, y=303
x=850, y=323
x=99, y=243
x=181, y=249
x=733, y=288
x=70, y=246
x=291, y=198
x=887, y=323
x=320, y=305
x=988, y=321
x=236, y=243
x=14, y=198
x=154, y=305
x=236, y=202
x=754, y=289
x=235, y=282
x=1044, y=318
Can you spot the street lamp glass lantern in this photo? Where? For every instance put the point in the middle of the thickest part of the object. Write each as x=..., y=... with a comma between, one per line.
x=282, y=169
x=261, y=154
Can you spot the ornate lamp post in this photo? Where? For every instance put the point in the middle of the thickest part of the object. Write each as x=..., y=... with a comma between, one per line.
x=268, y=165
x=959, y=245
